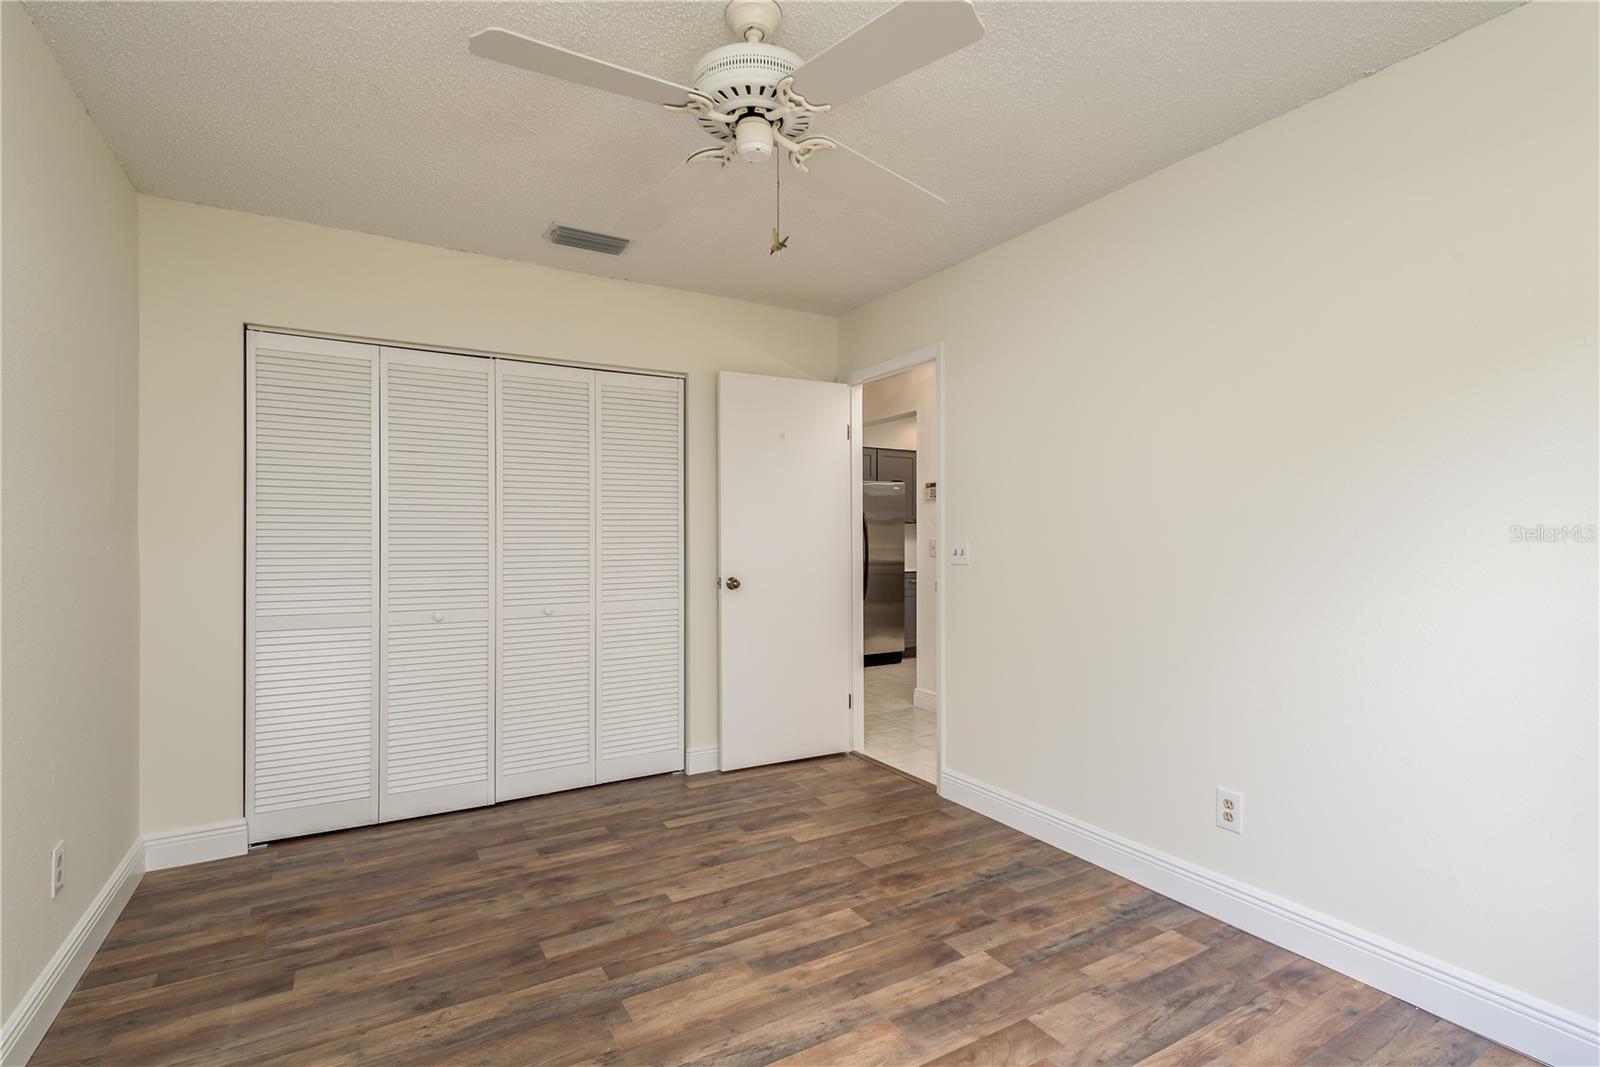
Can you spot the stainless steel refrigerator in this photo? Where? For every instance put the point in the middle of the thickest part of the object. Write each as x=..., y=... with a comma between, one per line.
x=883, y=518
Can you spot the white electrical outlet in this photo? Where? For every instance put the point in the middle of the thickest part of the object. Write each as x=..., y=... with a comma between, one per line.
x=1230, y=810
x=58, y=869
x=960, y=552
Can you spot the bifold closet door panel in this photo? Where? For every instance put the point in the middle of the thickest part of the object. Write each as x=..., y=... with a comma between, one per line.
x=438, y=496
x=546, y=735
x=311, y=585
x=641, y=575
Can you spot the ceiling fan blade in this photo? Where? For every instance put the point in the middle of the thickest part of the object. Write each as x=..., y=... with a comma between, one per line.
x=907, y=36
x=869, y=184
x=503, y=46
x=687, y=182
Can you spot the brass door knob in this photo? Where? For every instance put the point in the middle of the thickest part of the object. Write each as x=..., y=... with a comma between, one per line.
x=733, y=583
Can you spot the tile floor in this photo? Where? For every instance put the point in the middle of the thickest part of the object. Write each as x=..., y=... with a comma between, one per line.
x=898, y=733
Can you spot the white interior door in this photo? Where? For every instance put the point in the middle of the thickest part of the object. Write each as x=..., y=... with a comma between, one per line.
x=640, y=671
x=311, y=585
x=783, y=490
x=438, y=577
x=546, y=711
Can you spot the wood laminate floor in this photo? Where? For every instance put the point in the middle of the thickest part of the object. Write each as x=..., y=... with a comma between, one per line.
x=827, y=913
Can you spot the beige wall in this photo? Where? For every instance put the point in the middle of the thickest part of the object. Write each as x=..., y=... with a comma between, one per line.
x=915, y=391
x=69, y=591
x=900, y=432
x=207, y=272
x=1289, y=395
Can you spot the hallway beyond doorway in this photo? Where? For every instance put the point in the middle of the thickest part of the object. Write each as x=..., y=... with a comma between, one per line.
x=897, y=732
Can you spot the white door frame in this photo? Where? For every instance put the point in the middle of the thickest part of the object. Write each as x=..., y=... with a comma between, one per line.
x=934, y=354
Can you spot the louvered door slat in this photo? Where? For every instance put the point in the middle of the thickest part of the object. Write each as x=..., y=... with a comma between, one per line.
x=547, y=576
x=640, y=676
x=438, y=578
x=311, y=585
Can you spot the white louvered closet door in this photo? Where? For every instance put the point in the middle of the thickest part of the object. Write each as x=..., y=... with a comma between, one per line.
x=547, y=430
x=438, y=496
x=641, y=575
x=311, y=585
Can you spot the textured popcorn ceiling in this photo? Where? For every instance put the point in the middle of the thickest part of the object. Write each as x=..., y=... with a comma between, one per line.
x=374, y=117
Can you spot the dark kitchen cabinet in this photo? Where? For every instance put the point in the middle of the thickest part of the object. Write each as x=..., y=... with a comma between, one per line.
x=893, y=465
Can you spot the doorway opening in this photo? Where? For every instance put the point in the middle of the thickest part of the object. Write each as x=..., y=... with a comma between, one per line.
x=899, y=446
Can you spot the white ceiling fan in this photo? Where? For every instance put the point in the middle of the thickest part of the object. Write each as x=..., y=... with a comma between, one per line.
x=759, y=99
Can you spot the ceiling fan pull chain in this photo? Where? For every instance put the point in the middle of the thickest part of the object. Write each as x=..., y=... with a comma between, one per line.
x=778, y=243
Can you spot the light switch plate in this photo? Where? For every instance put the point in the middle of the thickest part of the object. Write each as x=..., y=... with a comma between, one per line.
x=960, y=552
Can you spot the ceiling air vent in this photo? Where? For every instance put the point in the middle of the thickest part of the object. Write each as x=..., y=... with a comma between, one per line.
x=587, y=240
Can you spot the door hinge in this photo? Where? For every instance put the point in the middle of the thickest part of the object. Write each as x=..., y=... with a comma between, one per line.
x=850, y=701
x=847, y=431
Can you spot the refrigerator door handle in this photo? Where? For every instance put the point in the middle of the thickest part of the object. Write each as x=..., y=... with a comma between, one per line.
x=866, y=562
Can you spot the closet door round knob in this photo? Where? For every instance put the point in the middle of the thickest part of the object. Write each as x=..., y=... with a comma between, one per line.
x=549, y=611
x=438, y=616
x=733, y=583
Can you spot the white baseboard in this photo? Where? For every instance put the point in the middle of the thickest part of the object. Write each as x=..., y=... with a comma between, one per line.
x=31, y=1018
x=926, y=699
x=701, y=760
x=1532, y=1026
x=195, y=844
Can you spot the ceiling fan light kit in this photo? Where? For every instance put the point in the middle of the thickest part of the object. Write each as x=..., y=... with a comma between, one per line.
x=755, y=97
x=754, y=137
